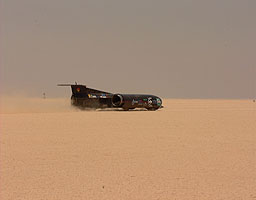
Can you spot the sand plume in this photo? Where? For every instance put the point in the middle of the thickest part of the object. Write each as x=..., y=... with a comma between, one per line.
x=23, y=104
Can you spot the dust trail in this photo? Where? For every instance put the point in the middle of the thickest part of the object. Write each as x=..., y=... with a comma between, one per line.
x=22, y=104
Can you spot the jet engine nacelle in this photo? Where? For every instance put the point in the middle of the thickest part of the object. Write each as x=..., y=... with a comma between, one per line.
x=131, y=101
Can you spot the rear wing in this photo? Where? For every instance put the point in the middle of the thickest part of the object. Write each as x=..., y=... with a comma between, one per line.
x=83, y=91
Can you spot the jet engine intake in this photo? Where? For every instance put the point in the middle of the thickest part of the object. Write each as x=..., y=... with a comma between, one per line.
x=117, y=100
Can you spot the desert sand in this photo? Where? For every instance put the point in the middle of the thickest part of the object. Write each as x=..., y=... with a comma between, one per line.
x=190, y=149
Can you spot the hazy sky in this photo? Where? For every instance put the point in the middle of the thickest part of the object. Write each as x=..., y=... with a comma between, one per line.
x=171, y=48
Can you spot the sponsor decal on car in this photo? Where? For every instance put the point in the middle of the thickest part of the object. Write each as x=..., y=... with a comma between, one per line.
x=159, y=102
x=92, y=96
x=103, y=96
x=135, y=101
x=150, y=101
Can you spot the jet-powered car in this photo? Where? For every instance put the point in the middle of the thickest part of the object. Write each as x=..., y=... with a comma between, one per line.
x=84, y=97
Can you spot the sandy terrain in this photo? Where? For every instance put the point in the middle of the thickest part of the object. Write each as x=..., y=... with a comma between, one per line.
x=191, y=149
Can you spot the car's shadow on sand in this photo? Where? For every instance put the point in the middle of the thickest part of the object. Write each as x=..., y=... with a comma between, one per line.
x=117, y=110
x=121, y=110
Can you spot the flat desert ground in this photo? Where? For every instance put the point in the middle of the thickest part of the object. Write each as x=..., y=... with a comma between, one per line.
x=190, y=149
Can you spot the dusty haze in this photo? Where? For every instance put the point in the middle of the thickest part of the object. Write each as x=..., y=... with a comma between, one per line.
x=178, y=48
x=24, y=104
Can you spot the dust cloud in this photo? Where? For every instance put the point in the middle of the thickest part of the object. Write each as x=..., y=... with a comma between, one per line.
x=23, y=104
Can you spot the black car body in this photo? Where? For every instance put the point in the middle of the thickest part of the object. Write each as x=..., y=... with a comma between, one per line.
x=84, y=97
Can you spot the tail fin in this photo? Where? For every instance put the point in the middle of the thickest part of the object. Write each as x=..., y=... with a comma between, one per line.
x=77, y=90
x=82, y=91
